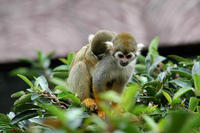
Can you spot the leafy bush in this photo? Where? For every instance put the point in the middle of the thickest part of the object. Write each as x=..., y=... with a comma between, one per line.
x=162, y=97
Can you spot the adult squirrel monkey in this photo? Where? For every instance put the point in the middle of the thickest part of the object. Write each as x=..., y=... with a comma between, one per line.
x=99, y=66
x=83, y=65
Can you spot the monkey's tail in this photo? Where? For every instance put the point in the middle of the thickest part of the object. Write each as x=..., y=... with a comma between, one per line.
x=98, y=43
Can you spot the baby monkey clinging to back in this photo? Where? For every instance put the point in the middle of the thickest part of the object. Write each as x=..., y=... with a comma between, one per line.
x=102, y=67
x=116, y=67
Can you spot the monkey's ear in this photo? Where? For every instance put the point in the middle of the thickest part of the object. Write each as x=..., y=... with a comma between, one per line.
x=140, y=46
x=109, y=45
x=90, y=37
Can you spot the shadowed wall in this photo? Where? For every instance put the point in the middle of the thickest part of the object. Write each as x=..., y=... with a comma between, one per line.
x=64, y=25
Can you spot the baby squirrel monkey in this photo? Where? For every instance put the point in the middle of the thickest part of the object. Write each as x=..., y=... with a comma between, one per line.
x=99, y=66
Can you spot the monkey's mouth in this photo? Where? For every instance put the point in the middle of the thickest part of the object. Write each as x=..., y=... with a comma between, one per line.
x=123, y=63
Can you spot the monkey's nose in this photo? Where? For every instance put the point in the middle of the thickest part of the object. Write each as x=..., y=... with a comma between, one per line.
x=123, y=63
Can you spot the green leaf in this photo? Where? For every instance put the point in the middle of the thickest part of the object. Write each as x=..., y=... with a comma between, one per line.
x=128, y=95
x=28, y=72
x=62, y=88
x=35, y=96
x=152, y=109
x=18, y=94
x=52, y=53
x=70, y=58
x=63, y=60
x=153, y=47
x=39, y=111
x=139, y=109
x=141, y=59
x=181, y=91
x=43, y=83
x=40, y=57
x=61, y=68
x=151, y=83
x=24, y=116
x=26, y=80
x=196, y=68
x=196, y=78
x=181, y=83
x=75, y=116
x=66, y=94
x=157, y=60
x=58, y=81
x=61, y=114
x=23, y=107
x=167, y=96
x=8, y=128
x=60, y=74
x=192, y=124
x=193, y=103
x=140, y=68
x=148, y=62
x=98, y=121
x=182, y=71
x=142, y=109
x=161, y=124
x=69, y=95
x=198, y=109
x=128, y=127
x=44, y=62
x=153, y=58
x=27, y=60
x=111, y=96
x=161, y=77
x=23, y=99
x=180, y=59
x=152, y=124
x=62, y=95
x=143, y=80
x=4, y=119
x=175, y=121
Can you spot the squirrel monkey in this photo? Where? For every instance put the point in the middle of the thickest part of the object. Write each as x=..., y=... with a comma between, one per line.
x=98, y=66
x=116, y=67
x=83, y=65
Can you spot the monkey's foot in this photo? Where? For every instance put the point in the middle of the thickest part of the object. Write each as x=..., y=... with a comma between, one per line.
x=101, y=114
x=90, y=103
x=117, y=107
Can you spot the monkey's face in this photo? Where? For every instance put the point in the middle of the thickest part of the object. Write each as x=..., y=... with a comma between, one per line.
x=124, y=59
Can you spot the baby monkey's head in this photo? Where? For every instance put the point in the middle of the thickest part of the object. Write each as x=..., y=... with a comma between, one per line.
x=125, y=49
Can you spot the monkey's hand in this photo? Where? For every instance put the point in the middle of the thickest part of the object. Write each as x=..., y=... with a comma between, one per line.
x=90, y=103
x=101, y=114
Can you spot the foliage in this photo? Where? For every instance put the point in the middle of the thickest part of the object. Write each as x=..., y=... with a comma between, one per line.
x=162, y=97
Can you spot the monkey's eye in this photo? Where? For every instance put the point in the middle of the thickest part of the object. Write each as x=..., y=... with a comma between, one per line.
x=120, y=55
x=129, y=56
